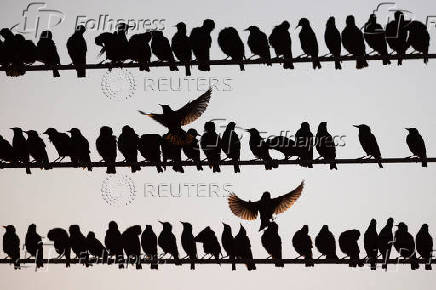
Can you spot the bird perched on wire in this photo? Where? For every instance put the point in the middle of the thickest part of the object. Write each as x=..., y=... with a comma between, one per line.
x=172, y=152
x=11, y=245
x=167, y=241
x=211, y=246
x=47, y=52
x=416, y=145
x=228, y=243
x=266, y=206
x=95, y=247
x=325, y=243
x=325, y=144
x=132, y=245
x=385, y=241
x=114, y=244
x=149, y=246
x=272, y=243
x=80, y=149
x=280, y=41
x=232, y=45
x=62, y=243
x=108, y=46
x=37, y=150
x=258, y=44
x=192, y=150
x=128, y=146
x=76, y=46
x=7, y=153
x=140, y=51
x=12, y=60
x=303, y=245
x=106, y=145
x=121, y=44
x=396, y=35
x=349, y=246
x=308, y=41
x=210, y=142
x=242, y=248
x=424, y=245
x=231, y=145
x=370, y=239
x=369, y=143
x=61, y=142
x=188, y=243
x=201, y=43
x=160, y=46
x=79, y=245
x=405, y=245
x=181, y=46
x=304, y=143
x=27, y=50
x=332, y=38
x=174, y=120
x=21, y=148
x=149, y=146
x=260, y=149
x=419, y=38
x=34, y=245
x=354, y=43
x=375, y=36
x=284, y=145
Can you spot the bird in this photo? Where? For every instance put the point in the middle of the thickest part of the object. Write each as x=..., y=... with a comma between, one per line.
x=228, y=243
x=95, y=247
x=160, y=47
x=304, y=143
x=375, y=37
x=113, y=243
x=108, y=46
x=192, y=150
x=12, y=60
x=79, y=245
x=272, y=243
x=211, y=246
x=128, y=146
x=210, y=143
x=308, y=41
x=385, y=241
x=326, y=244
x=61, y=142
x=37, y=150
x=404, y=243
x=284, y=145
x=260, y=149
x=353, y=42
x=11, y=245
x=167, y=242
x=172, y=152
x=62, y=244
x=332, y=38
x=132, y=245
x=232, y=45
x=258, y=44
x=34, y=245
x=149, y=146
x=79, y=149
x=140, y=51
x=419, y=38
x=201, y=43
x=231, y=145
x=280, y=41
x=416, y=145
x=424, y=245
x=325, y=144
x=369, y=143
x=303, y=245
x=266, y=206
x=188, y=243
x=76, y=46
x=149, y=245
x=175, y=119
x=348, y=243
x=7, y=153
x=182, y=48
x=27, y=51
x=106, y=144
x=21, y=148
x=120, y=43
x=370, y=241
x=242, y=248
x=396, y=35
x=47, y=51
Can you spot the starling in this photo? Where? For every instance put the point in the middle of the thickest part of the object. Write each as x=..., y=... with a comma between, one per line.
x=192, y=150
x=211, y=144
x=375, y=36
x=37, y=150
x=7, y=153
x=280, y=41
x=232, y=45
x=231, y=145
x=385, y=242
x=140, y=51
x=304, y=141
x=369, y=143
x=326, y=244
x=228, y=242
x=107, y=42
x=132, y=245
x=160, y=46
x=284, y=145
x=11, y=245
x=370, y=239
x=114, y=244
x=149, y=147
x=396, y=35
x=172, y=152
x=95, y=247
x=181, y=46
x=120, y=42
x=260, y=149
x=258, y=44
x=303, y=245
x=76, y=46
x=325, y=144
x=211, y=246
x=167, y=242
x=62, y=243
x=405, y=245
x=128, y=146
x=27, y=50
x=201, y=42
x=332, y=38
x=308, y=41
x=106, y=145
x=272, y=243
x=79, y=149
x=21, y=149
x=61, y=142
x=12, y=60
x=416, y=145
x=149, y=245
x=188, y=243
x=47, y=52
x=79, y=245
x=34, y=245
x=242, y=248
x=424, y=245
x=353, y=41
x=348, y=243
x=419, y=38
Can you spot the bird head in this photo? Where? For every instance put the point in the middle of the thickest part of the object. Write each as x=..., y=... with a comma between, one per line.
x=31, y=133
x=166, y=226
x=146, y=36
x=350, y=20
x=193, y=132
x=157, y=34
x=31, y=228
x=209, y=24
x=331, y=22
x=253, y=131
x=186, y=225
x=226, y=226
x=390, y=222
x=80, y=29
x=424, y=227
x=322, y=127
x=398, y=15
x=252, y=28
x=402, y=227
x=46, y=34
x=209, y=127
x=285, y=25
x=181, y=27
x=363, y=128
x=373, y=223
x=91, y=235
x=136, y=229
x=372, y=18
x=6, y=33
x=266, y=196
x=231, y=126
x=74, y=229
x=305, y=229
x=304, y=22
x=148, y=228
x=106, y=131
x=325, y=228
x=242, y=231
x=123, y=27
x=305, y=126
x=166, y=109
x=74, y=131
x=9, y=228
x=17, y=130
x=50, y=131
x=412, y=130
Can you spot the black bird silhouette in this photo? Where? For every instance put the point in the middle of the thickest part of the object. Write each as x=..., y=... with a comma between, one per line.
x=304, y=141
x=332, y=38
x=232, y=45
x=21, y=149
x=167, y=242
x=106, y=145
x=79, y=148
x=61, y=142
x=405, y=245
x=108, y=46
x=192, y=150
x=272, y=243
x=76, y=46
x=181, y=46
x=280, y=41
x=27, y=51
x=201, y=42
x=114, y=243
x=62, y=243
x=188, y=243
x=284, y=145
x=231, y=145
x=172, y=152
x=149, y=245
x=139, y=49
x=354, y=43
x=228, y=242
x=349, y=246
x=325, y=243
x=210, y=142
x=416, y=145
x=37, y=150
x=258, y=44
x=375, y=36
x=242, y=248
x=128, y=146
x=424, y=245
x=132, y=245
x=11, y=245
x=174, y=120
x=370, y=242
x=47, y=52
x=266, y=206
x=95, y=247
x=396, y=35
x=79, y=245
x=308, y=42
x=260, y=149
x=120, y=42
x=160, y=46
x=12, y=60
x=149, y=147
x=419, y=38
x=7, y=153
x=369, y=143
x=211, y=246
x=325, y=144
x=385, y=242
x=303, y=245
x=34, y=246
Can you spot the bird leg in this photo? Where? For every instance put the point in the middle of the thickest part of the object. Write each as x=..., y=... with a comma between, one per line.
x=224, y=159
x=322, y=255
x=253, y=55
x=162, y=255
x=299, y=257
x=185, y=257
x=301, y=55
x=227, y=57
x=371, y=52
x=269, y=257
x=326, y=55
x=57, y=159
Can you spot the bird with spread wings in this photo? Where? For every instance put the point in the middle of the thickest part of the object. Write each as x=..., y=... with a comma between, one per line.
x=266, y=206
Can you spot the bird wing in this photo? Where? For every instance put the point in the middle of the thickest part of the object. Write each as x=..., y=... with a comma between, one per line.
x=246, y=210
x=282, y=203
x=194, y=109
x=157, y=117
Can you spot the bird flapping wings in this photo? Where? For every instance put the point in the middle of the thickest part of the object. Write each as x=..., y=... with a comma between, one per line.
x=194, y=109
x=284, y=202
x=160, y=118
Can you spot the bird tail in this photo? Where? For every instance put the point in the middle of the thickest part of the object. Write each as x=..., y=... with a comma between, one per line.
x=192, y=266
x=135, y=167
x=424, y=162
x=287, y=63
x=154, y=266
x=56, y=73
x=428, y=266
x=279, y=264
x=309, y=262
x=187, y=69
x=236, y=168
x=178, y=168
x=425, y=57
x=177, y=261
x=28, y=170
x=241, y=66
x=111, y=169
x=338, y=63
x=414, y=265
x=81, y=73
x=216, y=168
x=386, y=60
x=159, y=168
x=316, y=63
x=380, y=165
x=173, y=66
x=333, y=166
x=199, y=167
x=361, y=62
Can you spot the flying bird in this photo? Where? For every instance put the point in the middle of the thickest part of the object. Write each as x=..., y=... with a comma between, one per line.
x=272, y=243
x=424, y=245
x=332, y=38
x=182, y=48
x=201, y=43
x=308, y=41
x=326, y=244
x=303, y=245
x=231, y=145
x=260, y=149
x=188, y=243
x=258, y=44
x=149, y=245
x=370, y=239
x=353, y=42
x=140, y=51
x=47, y=52
x=325, y=144
x=416, y=145
x=375, y=36
x=61, y=142
x=11, y=245
x=404, y=243
x=34, y=246
x=76, y=46
x=369, y=143
x=210, y=142
x=160, y=46
x=232, y=45
x=280, y=41
x=150, y=148
x=192, y=150
x=106, y=145
x=128, y=146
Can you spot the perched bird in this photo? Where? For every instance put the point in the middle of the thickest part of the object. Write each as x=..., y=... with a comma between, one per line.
x=424, y=245
x=108, y=46
x=76, y=46
x=201, y=42
x=37, y=150
x=266, y=206
x=308, y=41
x=416, y=145
x=149, y=146
x=303, y=245
x=332, y=38
x=181, y=46
x=349, y=246
x=211, y=246
x=21, y=148
x=325, y=144
x=120, y=42
x=258, y=44
x=354, y=43
x=160, y=46
x=192, y=150
x=128, y=146
x=210, y=142
x=79, y=149
x=370, y=241
x=79, y=245
x=188, y=243
x=149, y=245
x=47, y=52
x=62, y=243
x=385, y=241
x=95, y=247
x=284, y=145
x=114, y=244
x=139, y=49
x=11, y=245
x=231, y=145
x=27, y=51
x=325, y=243
x=12, y=60
x=242, y=248
x=167, y=241
x=304, y=142
x=375, y=36
x=369, y=143
x=228, y=242
x=272, y=243
x=419, y=38
x=232, y=45
x=405, y=245
x=34, y=245
x=132, y=245
x=280, y=41
x=260, y=149
x=396, y=35
x=7, y=153
x=172, y=152
x=61, y=142
x=106, y=145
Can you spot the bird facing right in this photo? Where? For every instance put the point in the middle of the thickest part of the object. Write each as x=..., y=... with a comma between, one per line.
x=416, y=145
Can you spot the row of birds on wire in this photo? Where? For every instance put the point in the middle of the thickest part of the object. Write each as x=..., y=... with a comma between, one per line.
x=400, y=34
x=134, y=246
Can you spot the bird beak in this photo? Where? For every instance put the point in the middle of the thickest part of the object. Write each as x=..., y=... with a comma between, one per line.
x=296, y=27
x=182, y=223
x=246, y=29
x=408, y=129
x=69, y=131
x=45, y=132
x=161, y=222
x=357, y=126
x=27, y=132
x=4, y=227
